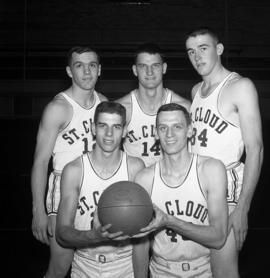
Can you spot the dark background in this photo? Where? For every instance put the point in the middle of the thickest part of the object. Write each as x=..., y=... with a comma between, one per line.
x=34, y=39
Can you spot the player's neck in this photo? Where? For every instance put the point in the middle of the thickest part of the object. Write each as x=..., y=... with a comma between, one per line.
x=151, y=99
x=215, y=77
x=175, y=163
x=105, y=163
x=84, y=97
x=175, y=167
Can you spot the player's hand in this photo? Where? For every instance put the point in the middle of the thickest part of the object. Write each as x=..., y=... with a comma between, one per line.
x=159, y=220
x=102, y=231
x=238, y=221
x=39, y=226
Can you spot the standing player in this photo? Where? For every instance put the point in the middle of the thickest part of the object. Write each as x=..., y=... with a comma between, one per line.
x=226, y=118
x=64, y=133
x=190, y=209
x=83, y=181
x=142, y=104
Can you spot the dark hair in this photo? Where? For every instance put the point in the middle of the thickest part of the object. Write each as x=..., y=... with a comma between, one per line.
x=150, y=48
x=80, y=50
x=203, y=30
x=174, y=107
x=111, y=108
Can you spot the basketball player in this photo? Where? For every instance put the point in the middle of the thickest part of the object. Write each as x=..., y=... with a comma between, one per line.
x=99, y=253
x=190, y=209
x=64, y=133
x=226, y=119
x=142, y=103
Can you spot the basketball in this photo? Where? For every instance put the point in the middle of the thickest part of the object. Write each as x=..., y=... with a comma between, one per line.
x=127, y=206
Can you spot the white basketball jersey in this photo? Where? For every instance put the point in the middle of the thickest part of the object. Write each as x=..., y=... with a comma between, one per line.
x=213, y=135
x=140, y=140
x=76, y=138
x=92, y=187
x=187, y=202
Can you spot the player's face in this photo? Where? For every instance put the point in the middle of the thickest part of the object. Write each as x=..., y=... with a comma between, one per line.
x=149, y=69
x=204, y=53
x=109, y=131
x=84, y=70
x=172, y=131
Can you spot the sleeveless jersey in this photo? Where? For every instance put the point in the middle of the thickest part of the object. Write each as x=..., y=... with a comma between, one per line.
x=92, y=186
x=213, y=135
x=140, y=140
x=76, y=138
x=187, y=202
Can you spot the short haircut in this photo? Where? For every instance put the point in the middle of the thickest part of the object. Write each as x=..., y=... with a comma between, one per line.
x=203, y=31
x=150, y=48
x=174, y=107
x=80, y=50
x=111, y=108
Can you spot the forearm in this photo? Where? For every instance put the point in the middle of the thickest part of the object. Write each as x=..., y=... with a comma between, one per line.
x=38, y=185
x=209, y=236
x=252, y=170
x=71, y=238
x=140, y=257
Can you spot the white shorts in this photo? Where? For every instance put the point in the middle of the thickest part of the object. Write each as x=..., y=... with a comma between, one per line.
x=102, y=267
x=235, y=181
x=53, y=194
x=160, y=268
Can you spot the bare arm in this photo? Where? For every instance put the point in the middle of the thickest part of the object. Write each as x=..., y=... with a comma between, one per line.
x=214, y=180
x=250, y=123
x=52, y=120
x=66, y=234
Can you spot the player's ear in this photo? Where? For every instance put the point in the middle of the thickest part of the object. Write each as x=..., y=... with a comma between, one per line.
x=99, y=70
x=93, y=128
x=134, y=69
x=68, y=70
x=164, y=68
x=189, y=131
x=156, y=134
x=124, y=131
x=220, y=48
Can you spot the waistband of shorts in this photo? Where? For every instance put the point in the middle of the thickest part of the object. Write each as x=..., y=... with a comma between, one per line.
x=233, y=165
x=56, y=173
x=186, y=265
x=104, y=258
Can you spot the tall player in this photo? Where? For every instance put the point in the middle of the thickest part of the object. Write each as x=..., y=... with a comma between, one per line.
x=189, y=193
x=142, y=103
x=98, y=252
x=226, y=119
x=64, y=133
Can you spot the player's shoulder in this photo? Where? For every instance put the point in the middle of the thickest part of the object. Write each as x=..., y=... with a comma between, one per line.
x=145, y=177
x=176, y=98
x=125, y=100
x=195, y=89
x=146, y=171
x=238, y=82
x=135, y=162
x=101, y=97
x=208, y=164
x=74, y=166
x=58, y=108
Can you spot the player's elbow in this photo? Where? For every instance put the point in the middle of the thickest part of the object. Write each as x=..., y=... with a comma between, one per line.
x=221, y=239
x=60, y=237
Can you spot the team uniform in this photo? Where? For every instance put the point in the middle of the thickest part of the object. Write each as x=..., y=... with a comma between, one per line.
x=106, y=259
x=140, y=140
x=173, y=254
x=216, y=137
x=74, y=140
